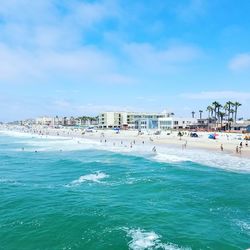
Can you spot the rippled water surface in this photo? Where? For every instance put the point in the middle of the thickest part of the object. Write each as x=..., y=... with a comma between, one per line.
x=72, y=196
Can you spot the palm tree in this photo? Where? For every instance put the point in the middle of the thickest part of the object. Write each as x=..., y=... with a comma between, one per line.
x=229, y=106
x=226, y=108
x=200, y=111
x=221, y=115
x=232, y=113
x=214, y=105
x=236, y=106
x=217, y=107
x=193, y=113
x=210, y=111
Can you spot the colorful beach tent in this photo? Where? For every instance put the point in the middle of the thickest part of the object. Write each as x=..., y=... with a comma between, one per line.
x=213, y=136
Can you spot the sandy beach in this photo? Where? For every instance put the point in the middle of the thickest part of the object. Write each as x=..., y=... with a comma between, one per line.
x=229, y=141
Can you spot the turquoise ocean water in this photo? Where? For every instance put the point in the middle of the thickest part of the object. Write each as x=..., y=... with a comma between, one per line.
x=97, y=199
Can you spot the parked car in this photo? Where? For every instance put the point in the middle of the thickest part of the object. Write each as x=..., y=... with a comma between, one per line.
x=194, y=135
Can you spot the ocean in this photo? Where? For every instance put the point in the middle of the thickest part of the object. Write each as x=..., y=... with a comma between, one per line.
x=58, y=193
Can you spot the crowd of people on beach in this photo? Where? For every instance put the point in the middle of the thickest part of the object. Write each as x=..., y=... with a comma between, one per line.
x=227, y=142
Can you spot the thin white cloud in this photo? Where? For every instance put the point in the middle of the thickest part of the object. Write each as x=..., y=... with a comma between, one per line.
x=240, y=62
x=50, y=23
x=86, y=64
x=41, y=43
x=154, y=59
x=216, y=95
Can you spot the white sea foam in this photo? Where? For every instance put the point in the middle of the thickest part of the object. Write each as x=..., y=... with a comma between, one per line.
x=171, y=154
x=142, y=240
x=169, y=158
x=18, y=134
x=55, y=144
x=96, y=177
x=244, y=226
x=166, y=154
x=212, y=159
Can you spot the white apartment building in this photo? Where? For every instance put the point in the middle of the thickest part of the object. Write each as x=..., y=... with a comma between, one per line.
x=168, y=123
x=111, y=120
x=130, y=120
x=45, y=120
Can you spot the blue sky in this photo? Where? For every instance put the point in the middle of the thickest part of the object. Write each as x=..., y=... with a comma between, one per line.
x=61, y=57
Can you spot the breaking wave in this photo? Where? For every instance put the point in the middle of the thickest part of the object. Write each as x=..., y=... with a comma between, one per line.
x=142, y=240
x=96, y=177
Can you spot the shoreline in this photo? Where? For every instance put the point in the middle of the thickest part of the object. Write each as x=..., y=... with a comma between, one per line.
x=165, y=139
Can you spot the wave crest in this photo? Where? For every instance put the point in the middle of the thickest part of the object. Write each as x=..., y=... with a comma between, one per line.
x=142, y=240
x=96, y=177
x=169, y=158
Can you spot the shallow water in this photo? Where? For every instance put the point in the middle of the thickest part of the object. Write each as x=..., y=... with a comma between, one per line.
x=69, y=195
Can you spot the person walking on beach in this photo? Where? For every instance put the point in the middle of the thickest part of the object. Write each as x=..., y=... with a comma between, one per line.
x=240, y=148
x=154, y=149
x=237, y=149
x=221, y=147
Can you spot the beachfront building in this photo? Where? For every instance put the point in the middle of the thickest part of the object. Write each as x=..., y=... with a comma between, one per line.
x=110, y=120
x=45, y=121
x=130, y=120
x=241, y=126
x=204, y=124
x=86, y=121
x=54, y=121
x=146, y=121
x=28, y=122
x=57, y=121
x=169, y=123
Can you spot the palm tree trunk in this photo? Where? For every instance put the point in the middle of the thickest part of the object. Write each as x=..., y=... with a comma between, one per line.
x=235, y=113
